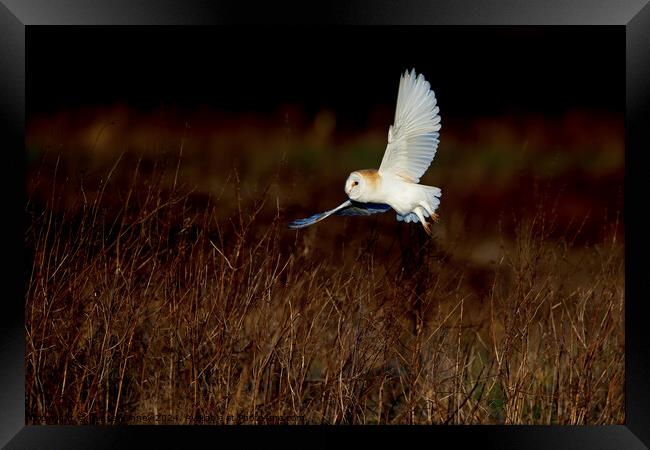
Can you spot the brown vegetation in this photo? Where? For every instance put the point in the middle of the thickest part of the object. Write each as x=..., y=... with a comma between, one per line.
x=153, y=306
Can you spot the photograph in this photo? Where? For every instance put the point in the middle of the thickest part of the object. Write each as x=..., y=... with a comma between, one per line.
x=315, y=225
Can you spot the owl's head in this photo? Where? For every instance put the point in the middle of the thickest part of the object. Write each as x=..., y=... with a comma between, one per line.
x=362, y=185
x=355, y=185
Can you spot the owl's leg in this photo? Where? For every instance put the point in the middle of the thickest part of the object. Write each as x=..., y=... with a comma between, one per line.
x=430, y=210
x=418, y=212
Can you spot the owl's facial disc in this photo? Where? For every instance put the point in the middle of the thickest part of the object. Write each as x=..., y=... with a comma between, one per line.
x=354, y=185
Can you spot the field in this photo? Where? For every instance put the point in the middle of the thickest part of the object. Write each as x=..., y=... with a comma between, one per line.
x=164, y=286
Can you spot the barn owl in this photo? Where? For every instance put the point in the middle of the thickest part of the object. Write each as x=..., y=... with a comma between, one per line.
x=412, y=144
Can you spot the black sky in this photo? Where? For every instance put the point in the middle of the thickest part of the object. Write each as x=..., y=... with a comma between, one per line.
x=473, y=70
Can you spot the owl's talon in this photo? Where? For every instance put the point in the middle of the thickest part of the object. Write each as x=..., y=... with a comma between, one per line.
x=427, y=228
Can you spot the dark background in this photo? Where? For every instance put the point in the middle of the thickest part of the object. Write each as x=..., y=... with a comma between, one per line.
x=486, y=70
x=525, y=110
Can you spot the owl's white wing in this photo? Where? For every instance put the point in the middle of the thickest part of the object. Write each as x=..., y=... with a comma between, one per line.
x=413, y=138
x=347, y=208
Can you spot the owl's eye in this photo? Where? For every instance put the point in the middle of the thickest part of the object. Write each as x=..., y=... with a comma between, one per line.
x=355, y=183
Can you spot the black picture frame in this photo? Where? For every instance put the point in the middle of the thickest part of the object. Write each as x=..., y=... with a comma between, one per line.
x=634, y=15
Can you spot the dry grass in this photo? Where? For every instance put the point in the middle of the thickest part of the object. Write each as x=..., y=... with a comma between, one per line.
x=146, y=304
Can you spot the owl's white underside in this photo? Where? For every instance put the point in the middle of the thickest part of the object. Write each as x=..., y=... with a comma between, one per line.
x=404, y=197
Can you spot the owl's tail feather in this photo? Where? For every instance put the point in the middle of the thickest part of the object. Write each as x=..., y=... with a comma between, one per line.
x=430, y=200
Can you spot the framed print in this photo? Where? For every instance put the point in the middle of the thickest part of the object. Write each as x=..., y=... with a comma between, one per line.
x=393, y=221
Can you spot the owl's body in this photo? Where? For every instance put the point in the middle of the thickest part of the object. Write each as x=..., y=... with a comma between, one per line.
x=412, y=144
x=410, y=200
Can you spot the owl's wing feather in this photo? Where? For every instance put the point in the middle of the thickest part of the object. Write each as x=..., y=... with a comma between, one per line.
x=413, y=138
x=301, y=223
x=363, y=209
x=347, y=208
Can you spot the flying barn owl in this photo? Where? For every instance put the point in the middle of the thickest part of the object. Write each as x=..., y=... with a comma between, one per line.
x=412, y=144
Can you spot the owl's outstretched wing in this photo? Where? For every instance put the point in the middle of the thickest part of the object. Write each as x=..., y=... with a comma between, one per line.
x=301, y=223
x=347, y=208
x=413, y=138
x=363, y=209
